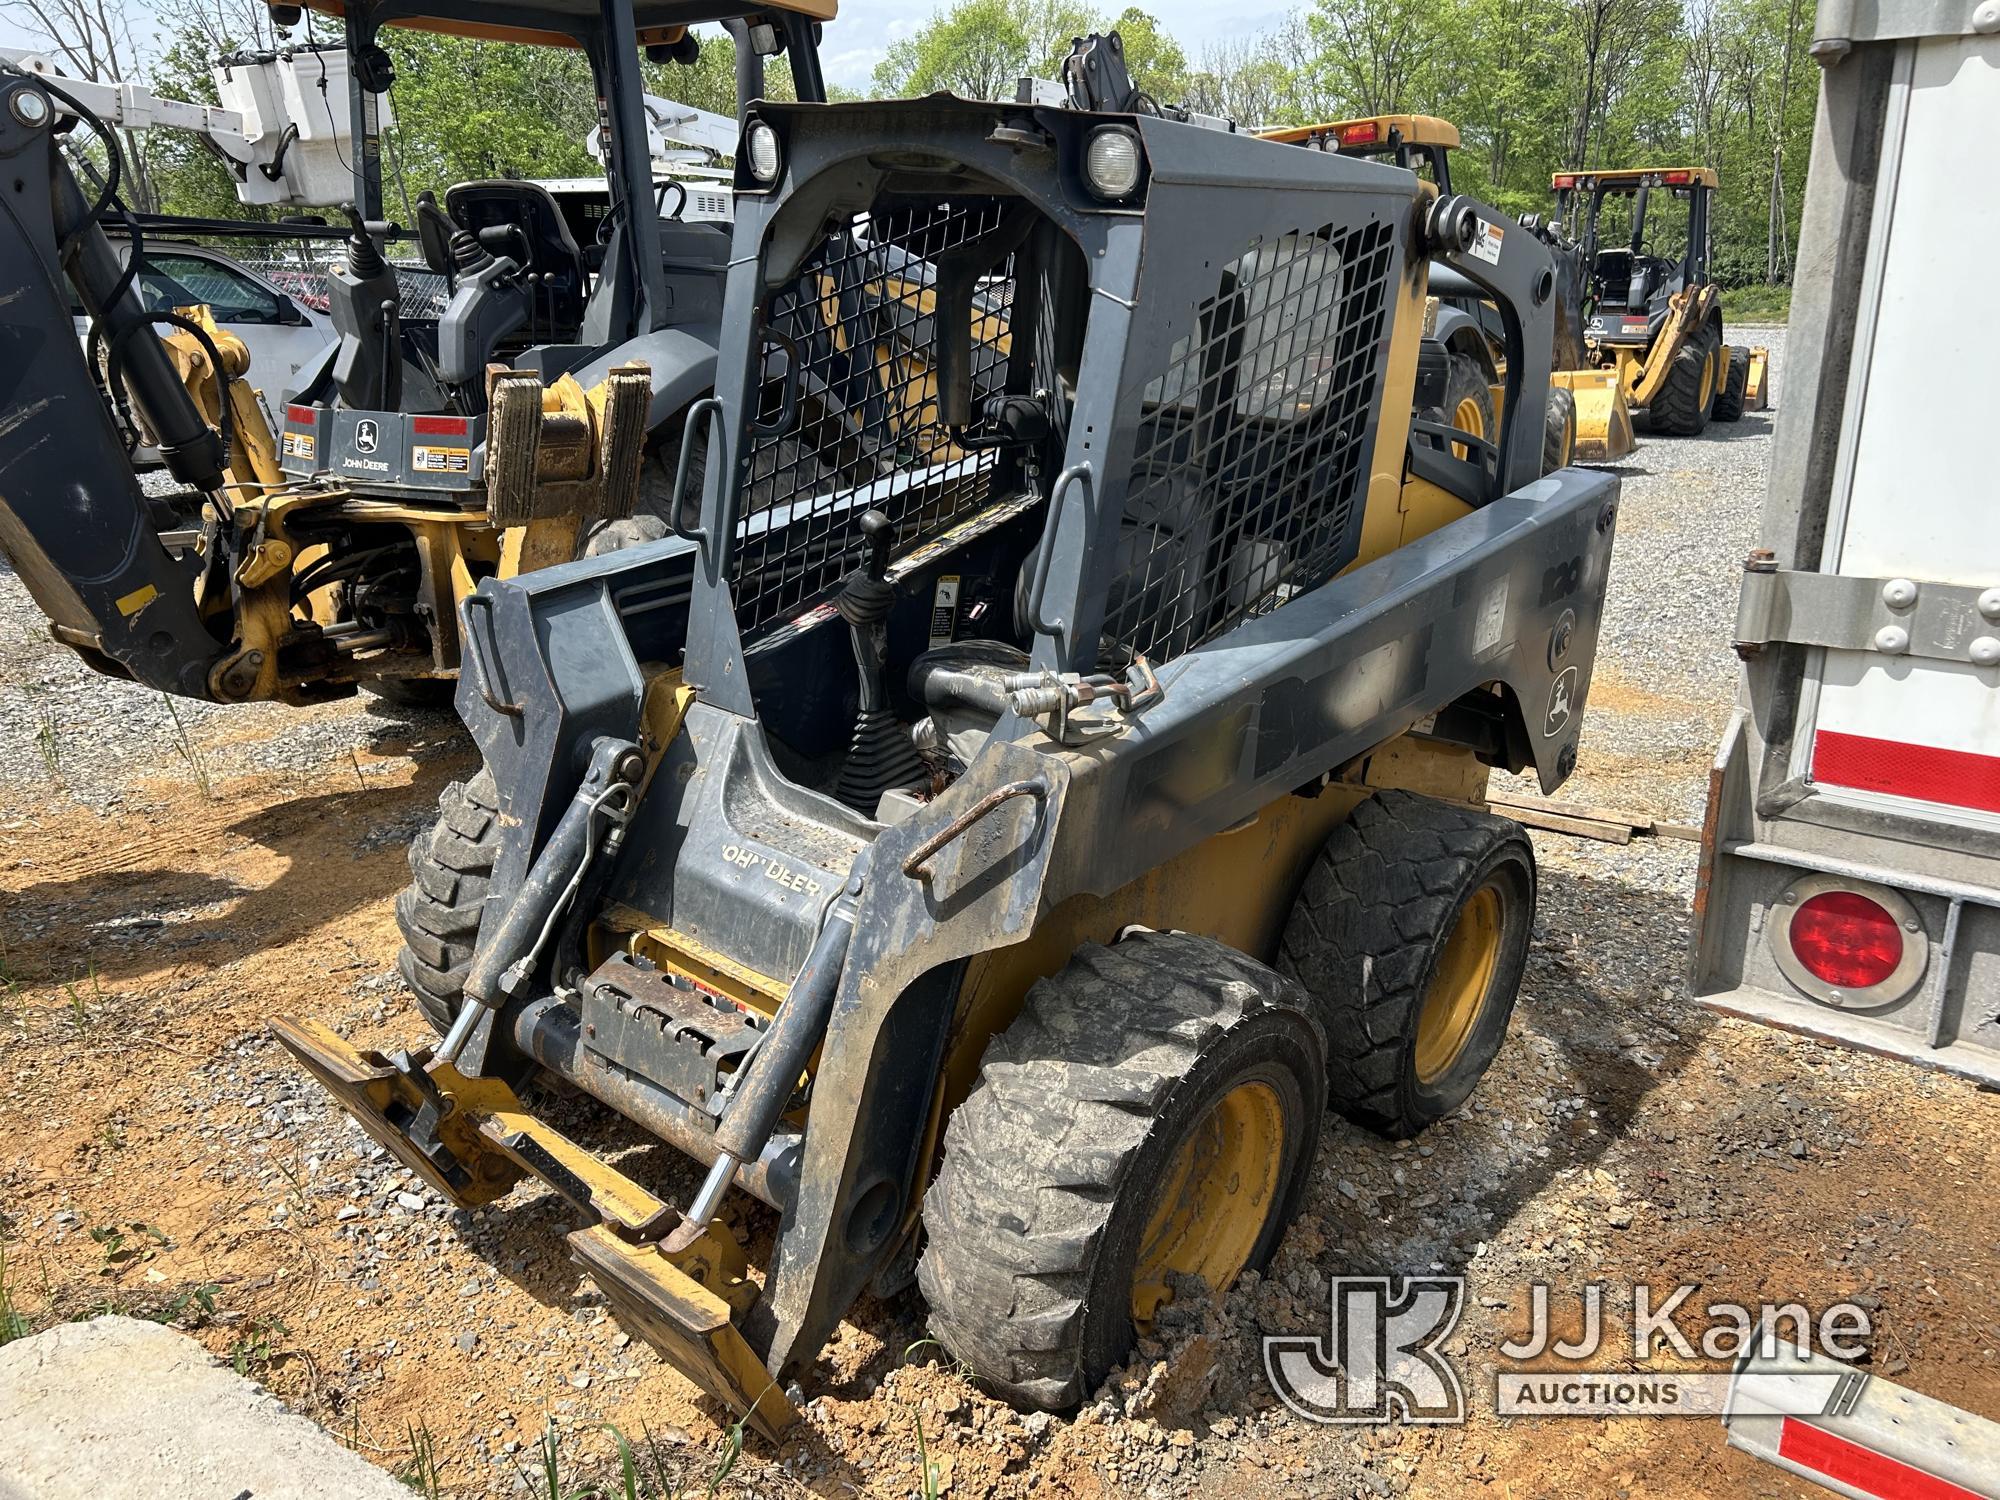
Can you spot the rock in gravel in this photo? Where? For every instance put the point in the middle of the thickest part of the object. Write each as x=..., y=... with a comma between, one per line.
x=118, y=1406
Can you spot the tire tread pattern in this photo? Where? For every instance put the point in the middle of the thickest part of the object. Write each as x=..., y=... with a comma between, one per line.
x=1384, y=887
x=1042, y=1149
x=451, y=870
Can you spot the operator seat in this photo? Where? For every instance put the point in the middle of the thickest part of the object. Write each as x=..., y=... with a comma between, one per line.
x=552, y=258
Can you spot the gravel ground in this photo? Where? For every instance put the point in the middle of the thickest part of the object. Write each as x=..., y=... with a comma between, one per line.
x=1622, y=1133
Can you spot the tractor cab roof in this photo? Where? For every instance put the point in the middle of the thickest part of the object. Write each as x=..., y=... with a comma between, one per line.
x=1631, y=179
x=562, y=23
x=1362, y=137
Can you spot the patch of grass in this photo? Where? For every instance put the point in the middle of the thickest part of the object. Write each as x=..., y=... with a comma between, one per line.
x=294, y=1174
x=420, y=1470
x=13, y=1322
x=189, y=751
x=732, y=1450
x=1757, y=304
x=48, y=734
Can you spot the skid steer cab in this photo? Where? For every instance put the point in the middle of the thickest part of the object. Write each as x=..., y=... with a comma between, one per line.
x=979, y=865
x=1587, y=420
x=1653, y=316
x=534, y=417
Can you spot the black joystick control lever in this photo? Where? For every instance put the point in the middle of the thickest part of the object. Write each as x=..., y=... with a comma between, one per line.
x=880, y=756
x=363, y=299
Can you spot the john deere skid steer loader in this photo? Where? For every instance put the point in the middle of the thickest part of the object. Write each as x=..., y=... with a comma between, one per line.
x=996, y=866
x=1470, y=328
x=1655, y=314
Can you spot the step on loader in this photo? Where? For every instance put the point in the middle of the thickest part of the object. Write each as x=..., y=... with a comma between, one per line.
x=1654, y=315
x=996, y=867
x=1468, y=328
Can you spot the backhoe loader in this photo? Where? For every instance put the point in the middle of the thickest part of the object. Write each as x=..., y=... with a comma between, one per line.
x=535, y=417
x=1655, y=315
x=1587, y=418
x=996, y=866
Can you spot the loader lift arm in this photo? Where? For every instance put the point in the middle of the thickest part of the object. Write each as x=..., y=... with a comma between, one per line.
x=74, y=521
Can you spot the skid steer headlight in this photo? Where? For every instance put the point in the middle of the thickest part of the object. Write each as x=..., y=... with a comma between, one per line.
x=1111, y=162
x=760, y=145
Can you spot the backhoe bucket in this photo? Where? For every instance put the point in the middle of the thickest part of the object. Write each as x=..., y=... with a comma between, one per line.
x=472, y=1140
x=1603, y=420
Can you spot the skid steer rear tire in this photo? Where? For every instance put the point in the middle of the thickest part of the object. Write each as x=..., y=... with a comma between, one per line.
x=1684, y=400
x=1071, y=1169
x=1559, y=430
x=451, y=870
x=1735, y=385
x=1411, y=905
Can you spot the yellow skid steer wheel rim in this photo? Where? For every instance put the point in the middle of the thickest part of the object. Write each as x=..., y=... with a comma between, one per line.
x=1707, y=380
x=1459, y=987
x=1468, y=417
x=1218, y=1193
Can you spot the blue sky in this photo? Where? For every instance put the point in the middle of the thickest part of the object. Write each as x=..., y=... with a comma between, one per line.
x=856, y=42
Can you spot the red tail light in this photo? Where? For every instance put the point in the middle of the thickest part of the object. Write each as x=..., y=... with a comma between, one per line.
x=1564, y=180
x=1677, y=179
x=1361, y=133
x=1847, y=939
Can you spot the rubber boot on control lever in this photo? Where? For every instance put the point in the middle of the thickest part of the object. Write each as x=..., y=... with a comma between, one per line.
x=880, y=756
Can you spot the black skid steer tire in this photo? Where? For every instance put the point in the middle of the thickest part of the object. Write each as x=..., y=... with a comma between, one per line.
x=451, y=870
x=1372, y=937
x=1090, y=1106
x=1559, y=430
x=1681, y=406
x=1735, y=386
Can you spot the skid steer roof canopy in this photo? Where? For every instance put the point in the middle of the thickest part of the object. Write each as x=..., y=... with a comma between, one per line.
x=559, y=24
x=1181, y=331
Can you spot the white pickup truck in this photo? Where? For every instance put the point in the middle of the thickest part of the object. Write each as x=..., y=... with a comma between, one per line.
x=281, y=333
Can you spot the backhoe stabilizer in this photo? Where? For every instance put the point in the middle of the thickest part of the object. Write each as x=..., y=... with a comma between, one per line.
x=472, y=1140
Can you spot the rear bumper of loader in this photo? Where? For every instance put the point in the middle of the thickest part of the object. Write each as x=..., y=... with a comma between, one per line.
x=1603, y=420
x=472, y=1140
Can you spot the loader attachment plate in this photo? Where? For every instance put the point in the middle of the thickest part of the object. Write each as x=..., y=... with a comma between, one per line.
x=689, y=1324
x=472, y=1140
x=420, y=1115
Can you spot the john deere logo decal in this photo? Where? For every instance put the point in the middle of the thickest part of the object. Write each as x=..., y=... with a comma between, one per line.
x=1561, y=704
x=366, y=436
